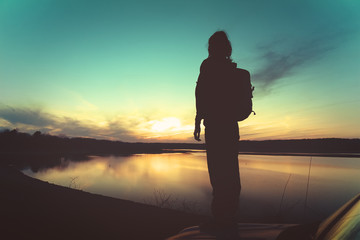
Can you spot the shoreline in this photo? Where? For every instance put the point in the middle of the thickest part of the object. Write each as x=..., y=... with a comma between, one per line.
x=347, y=155
x=310, y=154
x=10, y=154
x=31, y=208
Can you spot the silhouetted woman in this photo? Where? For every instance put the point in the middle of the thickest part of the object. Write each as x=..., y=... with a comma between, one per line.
x=221, y=132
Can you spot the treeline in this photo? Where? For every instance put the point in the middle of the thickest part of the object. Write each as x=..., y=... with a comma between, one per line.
x=321, y=145
x=18, y=142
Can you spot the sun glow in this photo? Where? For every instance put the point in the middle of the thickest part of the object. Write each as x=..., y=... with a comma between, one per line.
x=167, y=128
x=165, y=124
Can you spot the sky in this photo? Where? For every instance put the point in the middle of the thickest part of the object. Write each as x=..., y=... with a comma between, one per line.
x=127, y=70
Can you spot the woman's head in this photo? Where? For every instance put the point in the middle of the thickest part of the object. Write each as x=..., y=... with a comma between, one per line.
x=219, y=45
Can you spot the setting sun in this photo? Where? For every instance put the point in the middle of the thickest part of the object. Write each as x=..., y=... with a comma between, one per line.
x=164, y=129
x=165, y=124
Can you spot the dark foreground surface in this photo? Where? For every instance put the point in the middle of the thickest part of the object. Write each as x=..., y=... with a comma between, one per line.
x=32, y=209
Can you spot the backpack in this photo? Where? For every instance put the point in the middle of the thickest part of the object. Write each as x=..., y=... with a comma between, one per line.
x=241, y=99
x=224, y=92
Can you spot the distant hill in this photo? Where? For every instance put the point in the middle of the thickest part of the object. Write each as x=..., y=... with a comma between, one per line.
x=18, y=142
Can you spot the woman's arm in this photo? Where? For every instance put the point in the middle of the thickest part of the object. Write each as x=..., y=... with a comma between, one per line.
x=200, y=101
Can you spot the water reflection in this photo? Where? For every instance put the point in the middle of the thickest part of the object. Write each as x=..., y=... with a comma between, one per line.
x=273, y=187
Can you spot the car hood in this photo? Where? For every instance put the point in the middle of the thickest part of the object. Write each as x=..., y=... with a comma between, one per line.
x=247, y=231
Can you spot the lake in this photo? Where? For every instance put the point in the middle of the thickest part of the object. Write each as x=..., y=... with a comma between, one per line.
x=274, y=188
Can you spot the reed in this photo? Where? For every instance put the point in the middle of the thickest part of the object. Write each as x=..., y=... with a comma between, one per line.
x=283, y=194
x=307, y=188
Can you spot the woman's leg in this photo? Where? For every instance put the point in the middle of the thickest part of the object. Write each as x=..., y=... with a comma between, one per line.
x=223, y=166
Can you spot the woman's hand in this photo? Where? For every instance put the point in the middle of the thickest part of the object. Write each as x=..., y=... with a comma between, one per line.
x=197, y=133
x=197, y=130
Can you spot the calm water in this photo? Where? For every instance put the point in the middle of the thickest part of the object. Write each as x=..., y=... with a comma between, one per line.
x=273, y=187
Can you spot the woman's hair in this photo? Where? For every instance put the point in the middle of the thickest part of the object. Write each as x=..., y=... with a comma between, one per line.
x=219, y=45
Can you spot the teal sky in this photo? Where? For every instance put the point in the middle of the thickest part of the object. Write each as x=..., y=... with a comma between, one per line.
x=127, y=70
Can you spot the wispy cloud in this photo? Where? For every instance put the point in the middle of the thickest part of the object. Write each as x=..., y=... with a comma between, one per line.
x=31, y=120
x=281, y=61
x=81, y=103
x=27, y=116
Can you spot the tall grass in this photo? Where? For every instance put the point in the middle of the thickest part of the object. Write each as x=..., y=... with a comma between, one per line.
x=167, y=200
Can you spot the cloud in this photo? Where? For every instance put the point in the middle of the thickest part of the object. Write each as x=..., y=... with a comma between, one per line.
x=281, y=61
x=127, y=128
x=33, y=117
x=31, y=120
